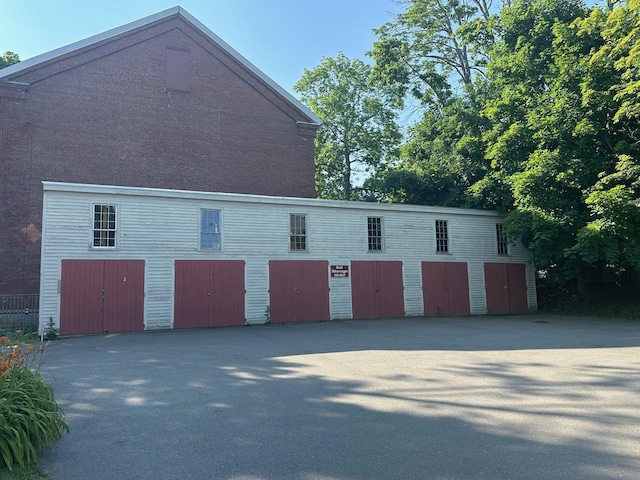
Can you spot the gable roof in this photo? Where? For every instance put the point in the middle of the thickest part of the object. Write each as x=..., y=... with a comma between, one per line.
x=16, y=69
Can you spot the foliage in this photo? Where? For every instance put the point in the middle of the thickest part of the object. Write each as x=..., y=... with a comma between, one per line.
x=30, y=419
x=612, y=300
x=358, y=127
x=622, y=46
x=613, y=235
x=30, y=472
x=442, y=158
x=8, y=58
x=431, y=42
x=555, y=140
x=51, y=331
x=544, y=127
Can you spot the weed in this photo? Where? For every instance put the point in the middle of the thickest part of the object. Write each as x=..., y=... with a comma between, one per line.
x=51, y=331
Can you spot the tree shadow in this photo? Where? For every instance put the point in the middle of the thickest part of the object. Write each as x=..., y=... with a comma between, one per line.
x=349, y=400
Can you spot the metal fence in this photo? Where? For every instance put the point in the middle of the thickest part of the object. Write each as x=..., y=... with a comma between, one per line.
x=19, y=312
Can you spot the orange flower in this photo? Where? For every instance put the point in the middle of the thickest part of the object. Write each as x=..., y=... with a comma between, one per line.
x=4, y=374
x=30, y=348
x=5, y=339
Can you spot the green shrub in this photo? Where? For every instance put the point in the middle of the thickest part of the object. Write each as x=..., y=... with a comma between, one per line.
x=30, y=418
x=51, y=331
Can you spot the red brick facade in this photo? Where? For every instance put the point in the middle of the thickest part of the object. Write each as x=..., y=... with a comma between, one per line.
x=102, y=114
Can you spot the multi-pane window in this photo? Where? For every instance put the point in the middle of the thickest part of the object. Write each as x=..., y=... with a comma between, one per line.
x=374, y=233
x=298, y=236
x=210, y=231
x=104, y=225
x=501, y=238
x=442, y=236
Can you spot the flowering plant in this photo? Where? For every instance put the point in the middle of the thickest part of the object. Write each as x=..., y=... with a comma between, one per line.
x=14, y=356
x=30, y=418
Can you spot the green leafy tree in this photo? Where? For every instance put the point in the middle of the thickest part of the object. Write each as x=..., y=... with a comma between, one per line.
x=443, y=156
x=545, y=128
x=430, y=50
x=359, y=128
x=8, y=58
x=557, y=140
x=622, y=37
x=612, y=236
x=431, y=44
x=535, y=144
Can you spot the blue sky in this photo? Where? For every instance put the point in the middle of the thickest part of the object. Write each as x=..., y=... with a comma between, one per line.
x=280, y=37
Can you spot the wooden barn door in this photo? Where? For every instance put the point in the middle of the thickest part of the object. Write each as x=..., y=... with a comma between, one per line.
x=123, y=296
x=377, y=289
x=445, y=288
x=506, y=288
x=209, y=293
x=81, y=296
x=298, y=290
x=101, y=296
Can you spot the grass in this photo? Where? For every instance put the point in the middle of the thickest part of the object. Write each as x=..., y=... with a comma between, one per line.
x=611, y=300
x=31, y=472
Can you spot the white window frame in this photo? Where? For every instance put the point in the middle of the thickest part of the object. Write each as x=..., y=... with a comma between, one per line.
x=372, y=239
x=298, y=238
x=107, y=230
x=442, y=242
x=501, y=240
x=215, y=227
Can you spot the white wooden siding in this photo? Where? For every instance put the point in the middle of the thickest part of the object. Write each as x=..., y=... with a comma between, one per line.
x=161, y=226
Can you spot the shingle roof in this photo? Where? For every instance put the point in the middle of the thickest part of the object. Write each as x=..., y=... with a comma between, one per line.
x=6, y=74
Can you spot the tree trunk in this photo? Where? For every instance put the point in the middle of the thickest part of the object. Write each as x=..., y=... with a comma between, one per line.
x=346, y=178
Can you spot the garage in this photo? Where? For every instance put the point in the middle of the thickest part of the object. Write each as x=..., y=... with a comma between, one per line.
x=298, y=290
x=377, y=289
x=99, y=296
x=445, y=288
x=506, y=288
x=209, y=293
x=207, y=264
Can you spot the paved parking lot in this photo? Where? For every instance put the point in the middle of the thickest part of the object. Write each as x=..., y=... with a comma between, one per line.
x=526, y=397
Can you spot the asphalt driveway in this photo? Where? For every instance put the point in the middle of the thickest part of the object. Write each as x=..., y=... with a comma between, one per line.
x=526, y=397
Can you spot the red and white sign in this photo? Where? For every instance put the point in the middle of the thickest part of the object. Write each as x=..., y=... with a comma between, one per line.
x=340, y=271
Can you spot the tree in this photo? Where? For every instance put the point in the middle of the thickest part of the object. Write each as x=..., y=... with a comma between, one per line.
x=441, y=159
x=612, y=236
x=429, y=50
x=432, y=43
x=558, y=142
x=8, y=58
x=358, y=117
x=546, y=127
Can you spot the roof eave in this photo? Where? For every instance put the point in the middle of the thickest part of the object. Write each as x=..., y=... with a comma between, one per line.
x=312, y=117
x=17, y=68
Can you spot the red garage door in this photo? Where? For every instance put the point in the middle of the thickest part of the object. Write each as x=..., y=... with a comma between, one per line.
x=101, y=296
x=445, y=288
x=377, y=289
x=298, y=290
x=209, y=293
x=506, y=288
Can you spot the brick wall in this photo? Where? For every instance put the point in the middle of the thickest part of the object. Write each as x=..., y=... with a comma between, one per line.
x=104, y=116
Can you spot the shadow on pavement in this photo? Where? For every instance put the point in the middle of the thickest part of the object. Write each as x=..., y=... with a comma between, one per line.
x=460, y=398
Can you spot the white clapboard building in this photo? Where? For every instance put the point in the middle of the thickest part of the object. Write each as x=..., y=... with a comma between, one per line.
x=128, y=258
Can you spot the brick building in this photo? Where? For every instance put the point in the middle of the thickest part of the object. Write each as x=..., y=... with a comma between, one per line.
x=161, y=102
